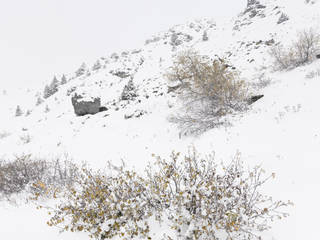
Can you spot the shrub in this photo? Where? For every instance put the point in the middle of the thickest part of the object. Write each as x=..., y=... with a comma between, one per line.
x=198, y=198
x=211, y=90
x=302, y=51
x=18, y=112
x=4, y=134
x=204, y=201
x=25, y=173
x=105, y=206
x=129, y=91
x=312, y=74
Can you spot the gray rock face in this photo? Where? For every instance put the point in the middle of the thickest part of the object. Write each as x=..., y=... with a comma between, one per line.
x=254, y=99
x=83, y=106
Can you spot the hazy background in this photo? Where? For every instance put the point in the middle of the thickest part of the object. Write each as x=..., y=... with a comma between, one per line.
x=40, y=38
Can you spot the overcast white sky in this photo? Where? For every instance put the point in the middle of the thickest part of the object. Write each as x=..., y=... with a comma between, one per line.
x=40, y=38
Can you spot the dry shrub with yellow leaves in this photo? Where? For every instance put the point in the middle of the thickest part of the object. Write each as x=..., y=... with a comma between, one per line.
x=205, y=201
x=105, y=206
x=196, y=197
x=303, y=50
x=209, y=89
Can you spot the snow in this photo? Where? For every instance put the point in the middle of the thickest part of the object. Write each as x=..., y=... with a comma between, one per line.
x=281, y=131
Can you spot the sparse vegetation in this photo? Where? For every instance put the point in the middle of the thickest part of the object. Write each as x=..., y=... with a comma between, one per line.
x=4, y=134
x=82, y=70
x=302, y=51
x=200, y=200
x=19, y=111
x=129, y=91
x=51, y=89
x=26, y=173
x=313, y=74
x=210, y=90
x=25, y=138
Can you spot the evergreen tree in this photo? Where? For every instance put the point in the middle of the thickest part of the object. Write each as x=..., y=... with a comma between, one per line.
x=47, y=109
x=52, y=88
x=28, y=113
x=63, y=80
x=97, y=65
x=81, y=70
x=18, y=111
x=46, y=92
x=129, y=91
x=39, y=101
x=54, y=85
x=205, y=36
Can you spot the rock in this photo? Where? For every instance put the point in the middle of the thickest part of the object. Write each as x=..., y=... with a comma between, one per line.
x=318, y=56
x=120, y=74
x=102, y=109
x=270, y=42
x=85, y=105
x=254, y=99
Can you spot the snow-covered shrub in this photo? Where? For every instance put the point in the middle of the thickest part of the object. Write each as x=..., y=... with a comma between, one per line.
x=313, y=74
x=211, y=90
x=202, y=200
x=25, y=173
x=260, y=81
x=18, y=112
x=63, y=80
x=205, y=36
x=302, y=51
x=4, y=134
x=47, y=109
x=25, y=138
x=96, y=65
x=105, y=207
x=129, y=91
x=81, y=71
x=196, y=197
x=51, y=89
x=39, y=101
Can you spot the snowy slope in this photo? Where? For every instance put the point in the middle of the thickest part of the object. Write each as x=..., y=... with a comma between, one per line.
x=281, y=131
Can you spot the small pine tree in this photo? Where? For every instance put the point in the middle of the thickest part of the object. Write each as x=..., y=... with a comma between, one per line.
x=81, y=70
x=18, y=111
x=47, y=109
x=63, y=80
x=54, y=85
x=51, y=89
x=39, y=101
x=205, y=36
x=28, y=113
x=129, y=91
x=97, y=65
x=46, y=92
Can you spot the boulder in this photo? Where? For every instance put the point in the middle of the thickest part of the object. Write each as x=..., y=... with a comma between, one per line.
x=254, y=99
x=103, y=108
x=85, y=105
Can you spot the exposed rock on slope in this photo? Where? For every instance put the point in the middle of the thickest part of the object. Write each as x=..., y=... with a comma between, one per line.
x=83, y=105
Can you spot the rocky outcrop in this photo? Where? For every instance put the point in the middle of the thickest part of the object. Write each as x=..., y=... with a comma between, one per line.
x=254, y=99
x=85, y=105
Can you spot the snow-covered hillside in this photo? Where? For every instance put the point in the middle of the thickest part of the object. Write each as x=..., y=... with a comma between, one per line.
x=281, y=131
